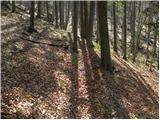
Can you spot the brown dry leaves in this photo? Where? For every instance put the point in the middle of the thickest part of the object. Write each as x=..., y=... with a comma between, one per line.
x=41, y=81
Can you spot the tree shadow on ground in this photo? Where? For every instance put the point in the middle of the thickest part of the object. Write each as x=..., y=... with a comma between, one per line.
x=74, y=87
x=9, y=26
x=146, y=100
x=27, y=68
x=23, y=69
x=111, y=94
x=99, y=99
x=74, y=82
x=24, y=73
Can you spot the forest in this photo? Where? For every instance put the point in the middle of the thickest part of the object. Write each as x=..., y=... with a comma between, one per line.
x=79, y=59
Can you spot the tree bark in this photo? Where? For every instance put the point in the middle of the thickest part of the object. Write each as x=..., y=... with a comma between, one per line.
x=90, y=25
x=31, y=27
x=141, y=20
x=39, y=9
x=133, y=31
x=124, y=33
x=5, y=4
x=75, y=25
x=86, y=19
x=98, y=36
x=56, y=13
x=53, y=10
x=67, y=17
x=47, y=6
x=104, y=36
x=82, y=19
x=148, y=39
x=115, y=27
x=13, y=6
x=61, y=10
x=155, y=39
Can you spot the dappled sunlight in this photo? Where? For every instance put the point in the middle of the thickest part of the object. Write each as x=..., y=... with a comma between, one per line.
x=19, y=45
x=138, y=92
x=62, y=80
x=126, y=90
x=43, y=76
x=9, y=29
x=36, y=60
x=39, y=51
x=83, y=96
x=24, y=104
x=39, y=82
x=61, y=101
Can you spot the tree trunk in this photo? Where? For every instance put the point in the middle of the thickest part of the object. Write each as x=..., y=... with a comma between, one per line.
x=86, y=19
x=124, y=33
x=154, y=44
x=82, y=19
x=67, y=17
x=148, y=39
x=158, y=60
x=115, y=27
x=155, y=39
x=104, y=36
x=63, y=26
x=98, y=36
x=5, y=4
x=56, y=13
x=31, y=27
x=13, y=6
x=90, y=25
x=39, y=9
x=47, y=6
x=61, y=10
x=53, y=10
x=60, y=13
x=130, y=15
x=75, y=25
x=133, y=31
x=141, y=20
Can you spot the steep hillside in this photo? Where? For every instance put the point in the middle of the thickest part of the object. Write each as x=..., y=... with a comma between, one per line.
x=43, y=78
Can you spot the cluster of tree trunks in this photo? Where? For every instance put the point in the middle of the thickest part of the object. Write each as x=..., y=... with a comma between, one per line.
x=83, y=16
x=87, y=24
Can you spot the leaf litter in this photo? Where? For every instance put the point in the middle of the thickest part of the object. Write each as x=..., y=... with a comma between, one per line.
x=42, y=81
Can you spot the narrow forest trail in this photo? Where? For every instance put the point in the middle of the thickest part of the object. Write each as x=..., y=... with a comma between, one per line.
x=43, y=78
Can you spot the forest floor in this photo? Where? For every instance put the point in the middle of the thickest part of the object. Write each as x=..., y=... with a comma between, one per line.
x=43, y=78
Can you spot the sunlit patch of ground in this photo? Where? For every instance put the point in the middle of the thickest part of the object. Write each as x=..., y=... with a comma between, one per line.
x=32, y=87
x=43, y=81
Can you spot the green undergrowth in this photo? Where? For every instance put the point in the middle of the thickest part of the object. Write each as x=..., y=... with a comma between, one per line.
x=140, y=59
x=97, y=47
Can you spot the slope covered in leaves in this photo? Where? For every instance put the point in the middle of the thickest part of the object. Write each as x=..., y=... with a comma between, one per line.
x=43, y=78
